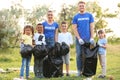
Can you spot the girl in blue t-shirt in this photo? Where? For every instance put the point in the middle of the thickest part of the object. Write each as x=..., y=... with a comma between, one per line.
x=102, y=52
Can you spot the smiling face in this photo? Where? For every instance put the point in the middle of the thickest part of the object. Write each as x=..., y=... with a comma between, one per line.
x=81, y=7
x=28, y=31
x=64, y=27
x=39, y=28
x=50, y=16
x=101, y=34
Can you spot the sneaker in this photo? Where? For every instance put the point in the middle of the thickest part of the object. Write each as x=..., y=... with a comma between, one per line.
x=67, y=74
x=101, y=76
x=21, y=77
x=79, y=73
x=27, y=77
x=88, y=78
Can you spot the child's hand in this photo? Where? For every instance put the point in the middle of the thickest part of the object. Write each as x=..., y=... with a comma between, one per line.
x=100, y=45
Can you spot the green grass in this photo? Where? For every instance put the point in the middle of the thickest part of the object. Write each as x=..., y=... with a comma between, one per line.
x=10, y=58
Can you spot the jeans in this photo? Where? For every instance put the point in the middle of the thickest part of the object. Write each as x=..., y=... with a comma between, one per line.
x=38, y=68
x=50, y=41
x=25, y=62
x=78, y=56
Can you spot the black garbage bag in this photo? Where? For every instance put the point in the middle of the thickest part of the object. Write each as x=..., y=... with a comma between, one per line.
x=89, y=59
x=50, y=50
x=64, y=49
x=39, y=51
x=26, y=51
x=57, y=49
x=53, y=67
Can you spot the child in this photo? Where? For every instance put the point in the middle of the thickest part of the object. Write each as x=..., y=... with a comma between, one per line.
x=26, y=39
x=39, y=39
x=66, y=37
x=102, y=52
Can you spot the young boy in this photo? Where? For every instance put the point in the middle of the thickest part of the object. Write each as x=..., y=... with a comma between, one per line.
x=66, y=37
x=39, y=39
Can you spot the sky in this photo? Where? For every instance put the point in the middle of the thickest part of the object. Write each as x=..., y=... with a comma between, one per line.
x=114, y=24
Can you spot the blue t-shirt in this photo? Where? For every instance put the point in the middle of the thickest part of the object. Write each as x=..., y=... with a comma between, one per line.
x=101, y=49
x=49, y=29
x=83, y=24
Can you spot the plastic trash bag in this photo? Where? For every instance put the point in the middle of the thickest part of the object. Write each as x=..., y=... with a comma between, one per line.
x=26, y=51
x=39, y=51
x=64, y=49
x=89, y=59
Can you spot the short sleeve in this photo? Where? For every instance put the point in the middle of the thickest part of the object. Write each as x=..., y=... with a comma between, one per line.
x=74, y=21
x=57, y=25
x=59, y=38
x=91, y=18
x=105, y=41
x=23, y=37
x=70, y=38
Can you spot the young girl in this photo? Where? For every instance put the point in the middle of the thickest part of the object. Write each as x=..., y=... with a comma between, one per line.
x=66, y=37
x=102, y=52
x=26, y=39
x=39, y=39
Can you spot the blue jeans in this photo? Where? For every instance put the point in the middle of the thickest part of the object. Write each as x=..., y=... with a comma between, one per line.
x=50, y=41
x=25, y=62
x=78, y=55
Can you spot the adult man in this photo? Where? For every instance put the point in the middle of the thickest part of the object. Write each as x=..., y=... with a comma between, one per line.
x=83, y=30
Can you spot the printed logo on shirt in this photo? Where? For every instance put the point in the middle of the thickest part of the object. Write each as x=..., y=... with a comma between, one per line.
x=50, y=27
x=40, y=38
x=81, y=19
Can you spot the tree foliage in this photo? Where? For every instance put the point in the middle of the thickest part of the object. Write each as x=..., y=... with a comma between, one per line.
x=9, y=22
x=36, y=15
x=9, y=28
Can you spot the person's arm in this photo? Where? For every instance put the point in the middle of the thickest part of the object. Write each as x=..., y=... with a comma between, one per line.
x=56, y=35
x=92, y=30
x=74, y=27
x=104, y=46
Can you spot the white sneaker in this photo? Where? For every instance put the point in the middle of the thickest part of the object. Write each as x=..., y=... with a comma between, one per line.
x=88, y=78
x=79, y=73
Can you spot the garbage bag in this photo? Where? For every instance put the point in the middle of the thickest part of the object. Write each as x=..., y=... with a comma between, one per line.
x=26, y=51
x=64, y=49
x=89, y=60
x=39, y=51
x=57, y=49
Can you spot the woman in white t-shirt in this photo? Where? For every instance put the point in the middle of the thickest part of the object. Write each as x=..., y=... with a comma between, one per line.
x=66, y=37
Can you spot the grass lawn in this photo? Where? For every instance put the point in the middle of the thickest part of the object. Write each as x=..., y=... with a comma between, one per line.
x=10, y=58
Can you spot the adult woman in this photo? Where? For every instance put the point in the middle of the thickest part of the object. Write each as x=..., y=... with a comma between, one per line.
x=50, y=29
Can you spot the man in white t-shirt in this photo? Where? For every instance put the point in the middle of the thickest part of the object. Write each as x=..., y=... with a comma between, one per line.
x=66, y=37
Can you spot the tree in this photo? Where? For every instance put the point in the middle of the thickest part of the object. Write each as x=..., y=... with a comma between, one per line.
x=9, y=28
x=36, y=15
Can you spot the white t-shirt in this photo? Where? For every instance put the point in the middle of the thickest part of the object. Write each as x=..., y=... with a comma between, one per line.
x=39, y=39
x=65, y=37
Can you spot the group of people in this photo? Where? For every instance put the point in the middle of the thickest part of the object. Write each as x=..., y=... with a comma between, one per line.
x=47, y=34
